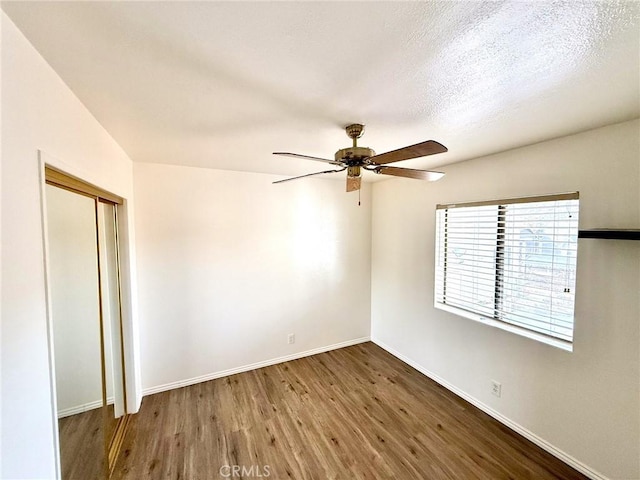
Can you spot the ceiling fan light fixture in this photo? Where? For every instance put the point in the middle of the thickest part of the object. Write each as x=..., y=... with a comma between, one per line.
x=353, y=183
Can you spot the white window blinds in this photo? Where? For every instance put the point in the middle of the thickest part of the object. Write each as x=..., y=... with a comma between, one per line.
x=510, y=263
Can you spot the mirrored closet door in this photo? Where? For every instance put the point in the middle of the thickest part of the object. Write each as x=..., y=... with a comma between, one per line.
x=83, y=272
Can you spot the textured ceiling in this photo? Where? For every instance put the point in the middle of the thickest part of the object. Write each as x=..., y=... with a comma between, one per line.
x=223, y=85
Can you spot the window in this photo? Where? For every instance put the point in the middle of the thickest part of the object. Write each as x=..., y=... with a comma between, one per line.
x=510, y=264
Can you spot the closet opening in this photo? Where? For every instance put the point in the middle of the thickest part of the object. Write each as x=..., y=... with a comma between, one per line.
x=85, y=294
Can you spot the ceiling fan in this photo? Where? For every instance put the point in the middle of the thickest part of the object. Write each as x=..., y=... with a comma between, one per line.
x=355, y=159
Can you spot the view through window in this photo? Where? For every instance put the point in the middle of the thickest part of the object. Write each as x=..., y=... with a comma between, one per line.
x=510, y=263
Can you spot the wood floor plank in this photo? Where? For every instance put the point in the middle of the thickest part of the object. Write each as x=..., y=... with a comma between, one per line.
x=356, y=413
x=82, y=453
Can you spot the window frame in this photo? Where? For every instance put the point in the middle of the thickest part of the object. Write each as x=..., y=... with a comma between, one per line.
x=498, y=272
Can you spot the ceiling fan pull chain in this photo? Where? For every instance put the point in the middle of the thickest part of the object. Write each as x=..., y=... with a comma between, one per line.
x=358, y=197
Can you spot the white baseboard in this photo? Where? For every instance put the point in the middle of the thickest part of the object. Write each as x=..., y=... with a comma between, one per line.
x=528, y=434
x=252, y=366
x=85, y=407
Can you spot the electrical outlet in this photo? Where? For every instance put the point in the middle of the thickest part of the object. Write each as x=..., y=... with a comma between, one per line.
x=496, y=388
x=291, y=338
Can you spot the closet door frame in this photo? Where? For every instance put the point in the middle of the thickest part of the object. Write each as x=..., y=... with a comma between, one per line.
x=55, y=177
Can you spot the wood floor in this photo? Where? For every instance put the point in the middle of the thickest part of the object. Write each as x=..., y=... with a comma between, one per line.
x=353, y=413
x=82, y=453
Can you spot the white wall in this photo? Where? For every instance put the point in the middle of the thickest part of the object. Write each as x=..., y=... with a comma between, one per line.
x=230, y=264
x=585, y=403
x=39, y=112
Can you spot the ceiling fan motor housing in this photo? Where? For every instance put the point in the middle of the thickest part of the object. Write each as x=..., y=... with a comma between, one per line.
x=354, y=155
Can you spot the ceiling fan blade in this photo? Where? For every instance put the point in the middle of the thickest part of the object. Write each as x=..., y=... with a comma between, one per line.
x=430, y=147
x=307, y=157
x=310, y=175
x=409, y=173
x=353, y=183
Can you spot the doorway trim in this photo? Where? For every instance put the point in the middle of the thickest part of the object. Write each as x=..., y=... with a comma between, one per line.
x=57, y=177
x=68, y=179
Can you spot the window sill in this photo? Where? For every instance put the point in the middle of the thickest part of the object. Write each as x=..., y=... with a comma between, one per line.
x=554, y=342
